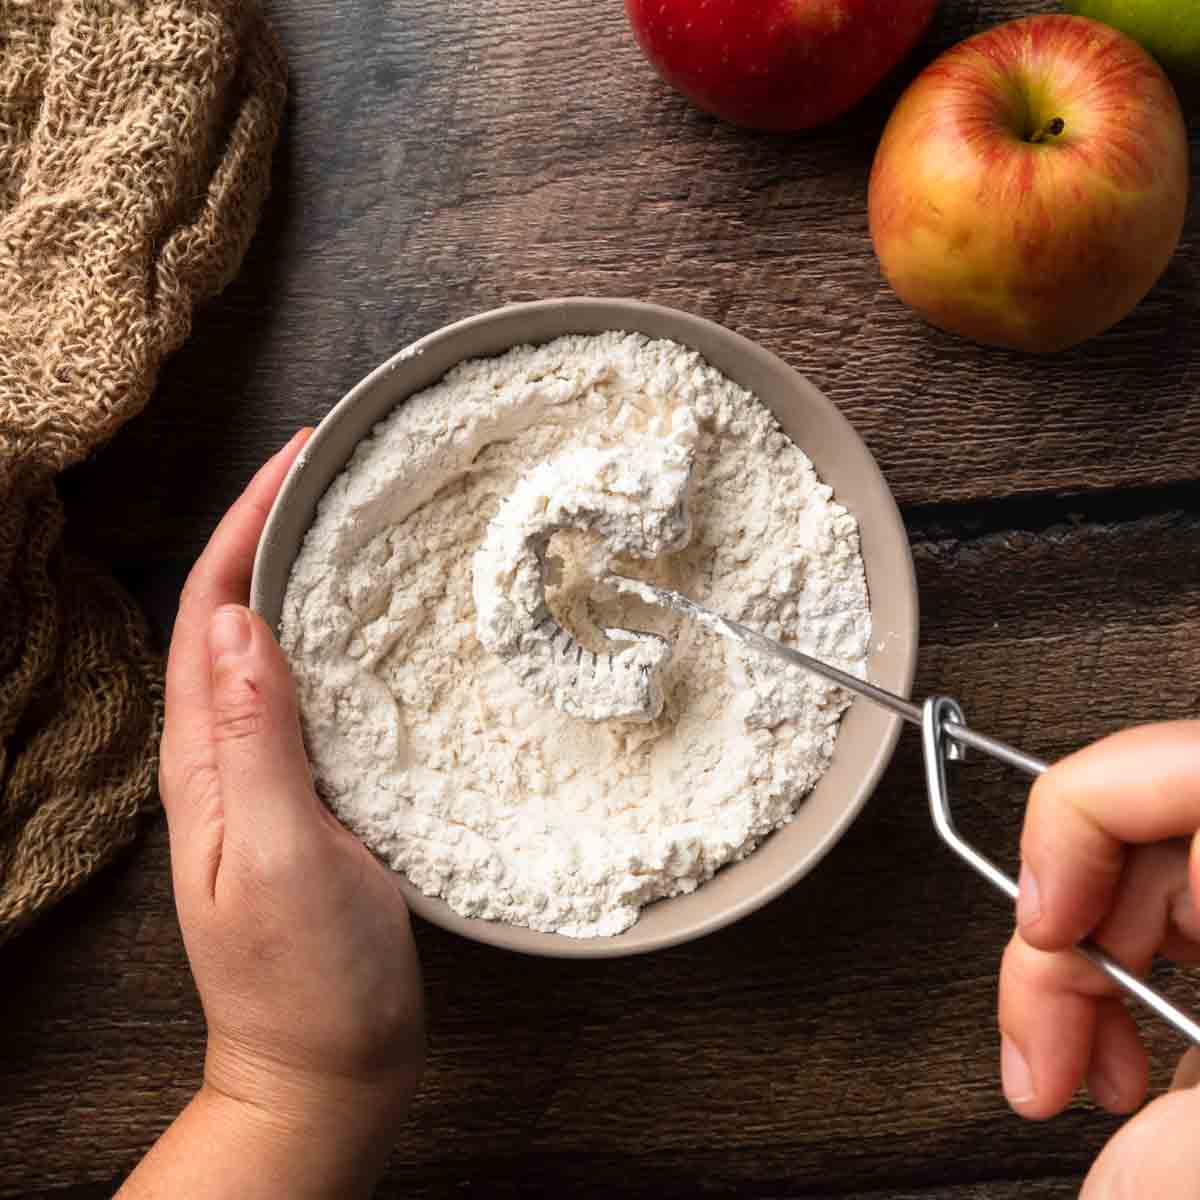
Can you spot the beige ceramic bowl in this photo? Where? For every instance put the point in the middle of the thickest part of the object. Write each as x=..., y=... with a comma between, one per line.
x=868, y=734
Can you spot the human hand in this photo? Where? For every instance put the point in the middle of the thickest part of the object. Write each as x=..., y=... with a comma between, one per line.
x=298, y=938
x=1110, y=850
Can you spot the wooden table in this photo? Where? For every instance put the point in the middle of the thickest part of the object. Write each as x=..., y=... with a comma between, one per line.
x=444, y=157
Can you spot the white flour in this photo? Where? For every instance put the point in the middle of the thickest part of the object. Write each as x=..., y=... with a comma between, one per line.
x=433, y=749
x=634, y=499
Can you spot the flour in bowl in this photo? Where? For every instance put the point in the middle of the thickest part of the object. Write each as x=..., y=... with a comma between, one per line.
x=468, y=769
x=633, y=497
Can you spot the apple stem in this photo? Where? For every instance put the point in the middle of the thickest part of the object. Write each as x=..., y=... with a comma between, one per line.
x=1051, y=129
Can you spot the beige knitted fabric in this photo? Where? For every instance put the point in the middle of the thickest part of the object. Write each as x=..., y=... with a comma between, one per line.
x=135, y=146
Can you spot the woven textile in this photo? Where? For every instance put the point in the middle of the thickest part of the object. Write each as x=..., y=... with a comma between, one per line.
x=135, y=147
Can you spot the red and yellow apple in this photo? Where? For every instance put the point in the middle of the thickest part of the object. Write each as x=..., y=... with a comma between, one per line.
x=1169, y=29
x=1030, y=186
x=777, y=64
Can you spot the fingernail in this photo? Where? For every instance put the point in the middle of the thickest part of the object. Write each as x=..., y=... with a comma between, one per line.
x=229, y=631
x=1015, y=1073
x=1029, y=899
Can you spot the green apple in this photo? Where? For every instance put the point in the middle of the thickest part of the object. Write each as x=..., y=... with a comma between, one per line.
x=1169, y=29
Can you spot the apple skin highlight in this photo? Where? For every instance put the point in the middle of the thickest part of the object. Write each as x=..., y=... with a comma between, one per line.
x=778, y=65
x=1031, y=184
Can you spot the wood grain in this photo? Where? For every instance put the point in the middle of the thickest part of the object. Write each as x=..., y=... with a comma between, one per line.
x=444, y=158
x=839, y=1042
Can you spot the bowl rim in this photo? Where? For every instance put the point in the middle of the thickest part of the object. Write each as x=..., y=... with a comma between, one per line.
x=887, y=523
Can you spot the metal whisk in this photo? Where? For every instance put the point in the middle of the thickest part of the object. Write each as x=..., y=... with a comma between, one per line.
x=945, y=735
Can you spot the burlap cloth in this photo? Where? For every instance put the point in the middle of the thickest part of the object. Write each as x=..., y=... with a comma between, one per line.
x=135, y=146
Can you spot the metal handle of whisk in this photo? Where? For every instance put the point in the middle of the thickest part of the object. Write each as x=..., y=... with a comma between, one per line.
x=945, y=735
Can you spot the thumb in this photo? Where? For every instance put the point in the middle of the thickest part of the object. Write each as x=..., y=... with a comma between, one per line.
x=266, y=785
x=1155, y=1154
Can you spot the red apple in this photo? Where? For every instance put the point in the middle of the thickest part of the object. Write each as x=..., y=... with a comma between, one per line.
x=777, y=64
x=1030, y=186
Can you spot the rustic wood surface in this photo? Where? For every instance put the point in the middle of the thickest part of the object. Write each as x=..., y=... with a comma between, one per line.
x=445, y=157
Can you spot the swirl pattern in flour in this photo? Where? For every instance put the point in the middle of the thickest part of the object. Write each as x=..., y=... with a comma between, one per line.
x=426, y=744
x=633, y=499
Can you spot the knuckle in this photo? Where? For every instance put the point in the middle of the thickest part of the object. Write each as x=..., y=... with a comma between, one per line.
x=1023, y=967
x=270, y=863
x=1027, y=971
x=1097, y=852
x=1011, y=976
x=239, y=712
x=237, y=724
